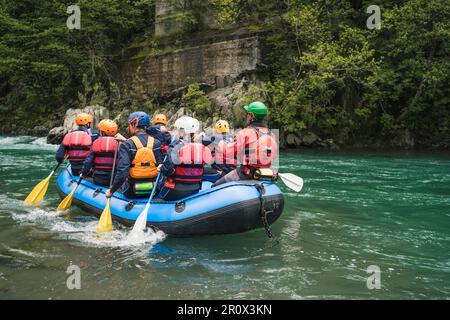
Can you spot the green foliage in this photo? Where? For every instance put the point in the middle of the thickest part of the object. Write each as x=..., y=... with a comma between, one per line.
x=325, y=71
x=45, y=66
x=197, y=101
x=329, y=74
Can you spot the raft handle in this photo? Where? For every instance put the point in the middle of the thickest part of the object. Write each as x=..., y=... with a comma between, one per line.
x=97, y=192
x=130, y=205
x=180, y=206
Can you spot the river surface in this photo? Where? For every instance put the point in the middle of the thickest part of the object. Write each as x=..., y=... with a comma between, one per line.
x=389, y=210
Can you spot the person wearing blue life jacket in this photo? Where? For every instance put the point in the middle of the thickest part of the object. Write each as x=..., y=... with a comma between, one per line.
x=217, y=144
x=100, y=161
x=138, y=158
x=159, y=130
x=183, y=167
x=77, y=143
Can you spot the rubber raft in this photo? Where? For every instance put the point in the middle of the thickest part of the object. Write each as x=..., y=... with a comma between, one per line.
x=233, y=207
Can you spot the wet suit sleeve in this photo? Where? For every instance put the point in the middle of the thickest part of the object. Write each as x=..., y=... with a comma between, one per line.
x=95, y=135
x=157, y=151
x=123, y=166
x=60, y=153
x=87, y=164
x=153, y=131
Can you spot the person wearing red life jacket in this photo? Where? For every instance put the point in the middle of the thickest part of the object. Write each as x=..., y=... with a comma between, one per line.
x=185, y=162
x=255, y=148
x=76, y=144
x=101, y=155
x=223, y=156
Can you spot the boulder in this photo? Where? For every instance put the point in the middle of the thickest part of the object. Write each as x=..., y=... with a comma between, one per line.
x=40, y=131
x=293, y=141
x=56, y=135
x=98, y=112
x=309, y=139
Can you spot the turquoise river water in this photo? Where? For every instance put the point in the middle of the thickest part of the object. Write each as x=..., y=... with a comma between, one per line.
x=356, y=210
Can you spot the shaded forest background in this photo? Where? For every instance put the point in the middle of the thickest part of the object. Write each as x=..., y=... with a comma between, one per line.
x=325, y=71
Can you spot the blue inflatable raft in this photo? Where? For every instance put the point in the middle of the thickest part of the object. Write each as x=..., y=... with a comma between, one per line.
x=230, y=208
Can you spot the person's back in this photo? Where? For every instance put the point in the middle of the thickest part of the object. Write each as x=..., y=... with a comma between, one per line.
x=255, y=148
x=185, y=171
x=101, y=156
x=159, y=131
x=183, y=167
x=137, y=160
x=76, y=144
x=223, y=156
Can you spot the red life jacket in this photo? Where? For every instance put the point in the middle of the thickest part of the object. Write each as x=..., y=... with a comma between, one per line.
x=78, y=144
x=104, y=149
x=260, y=147
x=192, y=157
x=224, y=153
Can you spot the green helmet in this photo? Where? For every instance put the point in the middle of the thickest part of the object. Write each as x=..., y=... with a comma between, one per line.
x=258, y=109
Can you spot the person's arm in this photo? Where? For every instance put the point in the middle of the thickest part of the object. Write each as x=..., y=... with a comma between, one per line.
x=167, y=167
x=167, y=138
x=157, y=151
x=87, y=164
x=60, y=153
x=153, y=131
x=123, y=167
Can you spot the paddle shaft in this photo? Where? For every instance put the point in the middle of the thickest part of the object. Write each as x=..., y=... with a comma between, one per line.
x=159, y=175
x=155, y=185
x=114, y=165
x=57, y=166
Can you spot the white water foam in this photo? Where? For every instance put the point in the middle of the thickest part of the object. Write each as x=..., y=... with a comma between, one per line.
x=85, y=232
x=26, y=142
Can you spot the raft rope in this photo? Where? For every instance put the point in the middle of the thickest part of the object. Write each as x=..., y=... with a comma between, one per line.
x=263, y=212
x=197, y=195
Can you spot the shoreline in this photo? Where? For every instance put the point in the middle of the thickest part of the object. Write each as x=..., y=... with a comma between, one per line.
x=341, y=150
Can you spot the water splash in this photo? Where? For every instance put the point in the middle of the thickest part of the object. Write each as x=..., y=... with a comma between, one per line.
x=26, y=142
x=85, y=232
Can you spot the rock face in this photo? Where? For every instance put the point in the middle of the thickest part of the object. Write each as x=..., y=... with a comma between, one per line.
x=56, y=135
x=215, y=64
x=404, y=140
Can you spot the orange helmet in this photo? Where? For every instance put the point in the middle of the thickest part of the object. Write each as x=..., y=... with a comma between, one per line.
x=160, y=119
x=83, y=119
x=108, y=127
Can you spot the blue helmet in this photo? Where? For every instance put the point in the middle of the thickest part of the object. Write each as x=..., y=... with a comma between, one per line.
x=143, y=120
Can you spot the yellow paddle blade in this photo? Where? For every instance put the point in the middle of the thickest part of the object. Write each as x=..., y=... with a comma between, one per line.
x=105, y=222
x=67, y=202
x=38, y=193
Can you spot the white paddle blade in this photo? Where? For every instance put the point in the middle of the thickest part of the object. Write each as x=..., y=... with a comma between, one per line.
x=292, y=181
x=141, y=221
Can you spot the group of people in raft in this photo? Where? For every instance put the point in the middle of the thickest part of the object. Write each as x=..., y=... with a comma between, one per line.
x=181, y=156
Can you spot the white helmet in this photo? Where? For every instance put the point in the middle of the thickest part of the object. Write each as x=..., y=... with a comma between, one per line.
x=189, y=124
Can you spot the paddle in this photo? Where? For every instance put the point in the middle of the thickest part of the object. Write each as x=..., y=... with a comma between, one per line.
x=38, y=192
x=67, y=202
x=141, y=221
x=105, y=222
x=292, y=181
